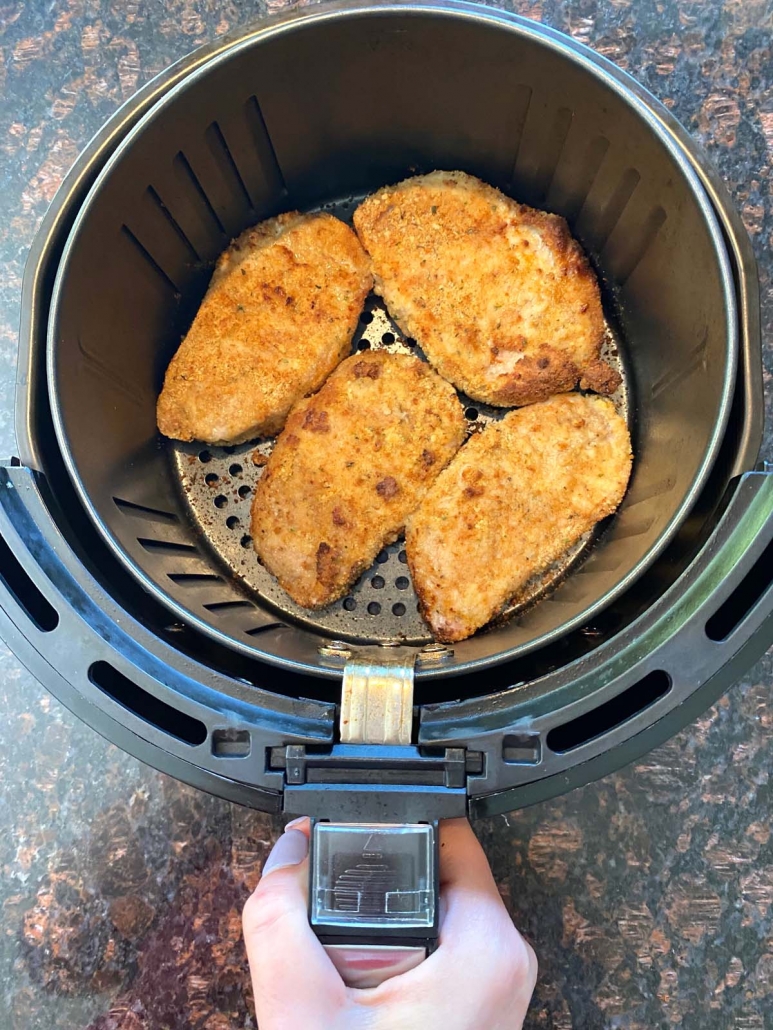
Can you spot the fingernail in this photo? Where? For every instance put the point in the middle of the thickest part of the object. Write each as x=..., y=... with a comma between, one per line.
x=295, y=822
x=291, y=849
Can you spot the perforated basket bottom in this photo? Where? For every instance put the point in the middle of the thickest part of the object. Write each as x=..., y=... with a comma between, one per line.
x=218, y=484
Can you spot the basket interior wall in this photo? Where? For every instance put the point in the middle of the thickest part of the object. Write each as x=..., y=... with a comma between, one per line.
x=323, y=110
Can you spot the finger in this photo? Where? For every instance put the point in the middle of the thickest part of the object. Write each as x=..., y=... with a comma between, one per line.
x=470, y=895
x=477, y=931
x=483, y=972
x=294, y=982
x=302, y=823
x=462, y=859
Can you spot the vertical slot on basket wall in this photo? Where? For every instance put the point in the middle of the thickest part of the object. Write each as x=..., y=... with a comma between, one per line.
x=226, y=164
x=271, y=177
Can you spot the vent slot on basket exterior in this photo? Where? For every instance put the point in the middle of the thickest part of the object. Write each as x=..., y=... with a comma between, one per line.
x=231, y=743
x=522, y=749
x=611, y=714
x=145, y=706
x=26, y=594
x=737, y=606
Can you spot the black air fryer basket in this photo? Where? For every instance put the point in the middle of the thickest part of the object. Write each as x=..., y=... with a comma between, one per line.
x=129, y=586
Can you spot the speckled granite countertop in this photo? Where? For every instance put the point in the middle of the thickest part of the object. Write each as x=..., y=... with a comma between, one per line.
x=648, y=896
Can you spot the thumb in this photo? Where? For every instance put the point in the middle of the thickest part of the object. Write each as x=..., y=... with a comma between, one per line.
x=294, y=982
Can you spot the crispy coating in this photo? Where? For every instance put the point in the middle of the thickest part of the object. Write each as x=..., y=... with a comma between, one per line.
x=350, y=466
x=500, y=297
x=600, y=377
x=277, y=318
x=514, y=499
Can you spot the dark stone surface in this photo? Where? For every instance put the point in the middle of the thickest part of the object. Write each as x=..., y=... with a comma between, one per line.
x=648, y=896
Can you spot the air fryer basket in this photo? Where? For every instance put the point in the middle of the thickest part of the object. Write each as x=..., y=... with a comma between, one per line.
x=104, y=577
x=276, y=125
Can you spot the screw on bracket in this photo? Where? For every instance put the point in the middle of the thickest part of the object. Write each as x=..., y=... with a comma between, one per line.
x=434, y=653
x=337, y=649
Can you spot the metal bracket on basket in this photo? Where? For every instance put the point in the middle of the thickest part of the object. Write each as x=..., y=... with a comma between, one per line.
x=375, y=774
x=377, y=699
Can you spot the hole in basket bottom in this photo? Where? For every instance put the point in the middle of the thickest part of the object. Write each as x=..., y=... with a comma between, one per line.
x=144, y=705
x=611, y=714
x=24, y=591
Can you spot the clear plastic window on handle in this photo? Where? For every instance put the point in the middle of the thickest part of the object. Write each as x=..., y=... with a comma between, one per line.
x=371, y=877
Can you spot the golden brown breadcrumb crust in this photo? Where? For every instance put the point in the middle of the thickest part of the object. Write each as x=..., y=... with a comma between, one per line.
x=350, y=466
x=277, y=318
x=500, y=296
x=512, y=501
x=601, y=378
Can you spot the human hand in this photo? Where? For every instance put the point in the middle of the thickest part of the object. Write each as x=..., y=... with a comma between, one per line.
x=481, y=976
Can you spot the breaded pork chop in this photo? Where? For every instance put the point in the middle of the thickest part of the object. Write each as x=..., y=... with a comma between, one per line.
x=351, y=465
x=514, y=499
x=499, y=296
x=277, y=318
